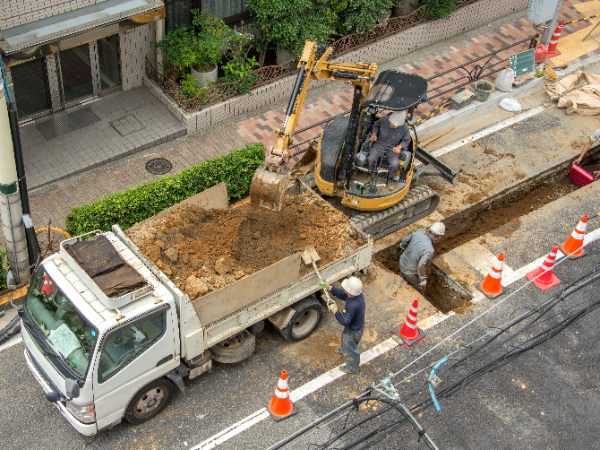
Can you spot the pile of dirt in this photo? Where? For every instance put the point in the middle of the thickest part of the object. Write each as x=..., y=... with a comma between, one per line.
x=204, y=250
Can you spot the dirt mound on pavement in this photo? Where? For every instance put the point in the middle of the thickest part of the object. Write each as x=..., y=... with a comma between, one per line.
x=203, y=250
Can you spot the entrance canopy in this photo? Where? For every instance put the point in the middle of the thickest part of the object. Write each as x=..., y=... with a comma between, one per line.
x=77, y=27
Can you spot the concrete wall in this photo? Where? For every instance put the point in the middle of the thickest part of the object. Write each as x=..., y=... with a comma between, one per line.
x=136, y=45
x=18, y=12
x=403, y=42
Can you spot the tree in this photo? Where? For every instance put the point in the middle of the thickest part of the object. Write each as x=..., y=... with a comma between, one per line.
x=287, y=24
x=355, y=16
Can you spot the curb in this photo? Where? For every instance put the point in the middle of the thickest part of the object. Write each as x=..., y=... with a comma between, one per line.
x=496, y=97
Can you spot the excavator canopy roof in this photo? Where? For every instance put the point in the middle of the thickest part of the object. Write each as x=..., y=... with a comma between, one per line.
x=396, y=91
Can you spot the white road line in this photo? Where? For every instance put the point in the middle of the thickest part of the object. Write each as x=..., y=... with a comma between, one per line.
x=378, y=350
x=505, y=123
x=233, y=430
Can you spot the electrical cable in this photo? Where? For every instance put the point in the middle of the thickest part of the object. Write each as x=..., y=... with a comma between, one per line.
x=4, y=81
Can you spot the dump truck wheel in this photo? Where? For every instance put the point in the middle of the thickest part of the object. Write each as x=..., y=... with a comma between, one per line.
x=149, y=401
x=235, y=349
x=307, y=318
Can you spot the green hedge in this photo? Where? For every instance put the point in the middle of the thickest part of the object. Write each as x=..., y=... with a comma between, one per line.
x=129, y=207
x=3, y=268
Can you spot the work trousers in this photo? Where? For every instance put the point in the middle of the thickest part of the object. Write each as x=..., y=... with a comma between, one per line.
x=412, y=279
x=392, y=157
x=350, y=340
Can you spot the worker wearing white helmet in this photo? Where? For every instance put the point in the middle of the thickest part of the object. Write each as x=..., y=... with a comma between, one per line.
x=390, y=134
x=352, y=318
x=418, y=252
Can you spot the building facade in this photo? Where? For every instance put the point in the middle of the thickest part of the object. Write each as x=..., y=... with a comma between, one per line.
x=60, y=53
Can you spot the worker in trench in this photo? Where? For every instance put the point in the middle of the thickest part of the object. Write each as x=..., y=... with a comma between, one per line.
x=417, y=254
x=390, y=134
x=352, y=318
x=594, y=138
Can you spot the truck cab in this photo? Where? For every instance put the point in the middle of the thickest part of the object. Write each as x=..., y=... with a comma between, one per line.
x=74, y=332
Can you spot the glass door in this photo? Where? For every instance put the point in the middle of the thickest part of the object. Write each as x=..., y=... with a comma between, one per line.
x=108, y=62
x=75, y=74
x=30, y=81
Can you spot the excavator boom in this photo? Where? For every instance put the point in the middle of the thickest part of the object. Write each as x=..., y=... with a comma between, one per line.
x=271, y=179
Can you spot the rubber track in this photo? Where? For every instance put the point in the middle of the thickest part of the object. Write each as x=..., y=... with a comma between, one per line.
x=369, y=220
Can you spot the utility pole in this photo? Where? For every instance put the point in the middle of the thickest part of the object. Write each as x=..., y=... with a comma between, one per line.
x=11, y=210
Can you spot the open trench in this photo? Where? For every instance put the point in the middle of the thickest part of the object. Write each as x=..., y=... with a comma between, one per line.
x=479, y=219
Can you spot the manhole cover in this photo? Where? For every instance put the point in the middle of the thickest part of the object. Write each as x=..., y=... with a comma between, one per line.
x=159, y=166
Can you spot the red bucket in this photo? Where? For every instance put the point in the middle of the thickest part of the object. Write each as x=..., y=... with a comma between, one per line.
x=579, y=176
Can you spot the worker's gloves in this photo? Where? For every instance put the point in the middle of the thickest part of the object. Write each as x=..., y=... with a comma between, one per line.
x=332, y=307
x=324, y=286
x=424, y=282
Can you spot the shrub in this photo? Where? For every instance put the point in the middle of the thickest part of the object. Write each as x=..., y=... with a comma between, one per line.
x=190, y=86
x=438, y=9
x=3, y=268
x=145, y=200
x=355, y=16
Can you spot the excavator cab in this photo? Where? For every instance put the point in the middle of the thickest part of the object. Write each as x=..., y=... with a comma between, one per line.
x=361, y=188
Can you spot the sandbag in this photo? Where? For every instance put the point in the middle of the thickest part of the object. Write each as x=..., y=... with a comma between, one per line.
x=505, y=79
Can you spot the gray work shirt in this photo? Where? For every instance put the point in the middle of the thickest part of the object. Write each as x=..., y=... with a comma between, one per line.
x=418, y=253
x=389, y=137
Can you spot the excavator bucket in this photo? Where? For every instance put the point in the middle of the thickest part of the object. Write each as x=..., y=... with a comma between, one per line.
x=268, y=188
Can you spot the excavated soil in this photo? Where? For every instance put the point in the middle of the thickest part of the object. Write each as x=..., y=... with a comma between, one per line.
x=217, y=247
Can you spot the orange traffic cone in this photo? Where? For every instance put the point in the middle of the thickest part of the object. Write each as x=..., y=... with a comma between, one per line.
x=492, y=285
x=552, y=51
x=546, y=278
x=573, y=248
x=281, y=406
x=409, y=332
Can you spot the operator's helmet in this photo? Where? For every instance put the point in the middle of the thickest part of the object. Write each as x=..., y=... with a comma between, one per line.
x=437, y=228
x=352, y=286
x=398, y=118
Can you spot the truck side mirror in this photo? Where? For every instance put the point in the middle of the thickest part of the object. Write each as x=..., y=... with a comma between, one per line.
x=53, y=396
x=10, y=281
x=71, y=388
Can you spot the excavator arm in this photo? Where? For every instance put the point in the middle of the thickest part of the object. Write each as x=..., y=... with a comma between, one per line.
x=310, y=68
x=269, y=182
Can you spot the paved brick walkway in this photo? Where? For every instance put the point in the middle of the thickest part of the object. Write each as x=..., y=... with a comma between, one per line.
x=57, y=204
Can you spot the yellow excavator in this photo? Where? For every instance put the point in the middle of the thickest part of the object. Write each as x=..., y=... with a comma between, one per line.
x=379, y=204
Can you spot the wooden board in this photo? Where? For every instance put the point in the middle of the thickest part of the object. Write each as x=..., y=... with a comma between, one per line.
x=225, y=301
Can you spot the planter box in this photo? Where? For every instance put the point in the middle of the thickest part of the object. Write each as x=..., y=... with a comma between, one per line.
x=385, y=49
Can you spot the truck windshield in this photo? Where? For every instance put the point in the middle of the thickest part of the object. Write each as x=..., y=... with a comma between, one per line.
x=63, y=328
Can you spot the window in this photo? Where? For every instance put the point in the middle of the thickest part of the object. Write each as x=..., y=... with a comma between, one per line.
x=62, y=327
x=125, y=343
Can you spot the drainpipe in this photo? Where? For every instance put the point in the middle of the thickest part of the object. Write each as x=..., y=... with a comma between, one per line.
x=11, y=210
x=160, y=24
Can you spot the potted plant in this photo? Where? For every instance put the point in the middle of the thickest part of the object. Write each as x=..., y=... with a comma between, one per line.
x=179, y=49
x=212, y=37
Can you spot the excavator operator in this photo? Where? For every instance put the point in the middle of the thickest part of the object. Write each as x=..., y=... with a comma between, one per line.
x=390, y=134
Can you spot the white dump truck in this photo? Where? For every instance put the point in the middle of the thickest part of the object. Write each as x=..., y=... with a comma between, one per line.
x=109, y=337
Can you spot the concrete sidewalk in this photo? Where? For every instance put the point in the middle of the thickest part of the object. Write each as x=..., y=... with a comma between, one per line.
x=54, y=201
x=76, y=140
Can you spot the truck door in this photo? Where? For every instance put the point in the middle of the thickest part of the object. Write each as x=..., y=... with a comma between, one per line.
x=130, y=356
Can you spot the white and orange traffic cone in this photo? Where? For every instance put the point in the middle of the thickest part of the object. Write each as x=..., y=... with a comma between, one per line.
x=543, y=276
x=552, y=51
x=492, y=287
x=573, y=247
x=281, y=407
x=409, y=332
